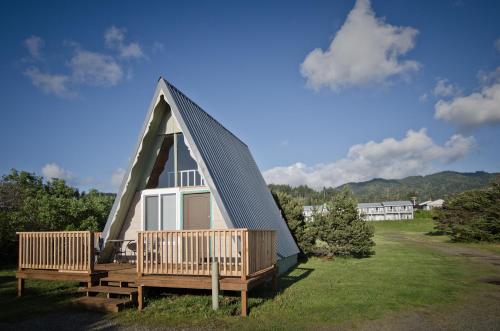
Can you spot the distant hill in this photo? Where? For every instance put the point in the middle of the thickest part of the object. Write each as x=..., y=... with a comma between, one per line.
x=435, y=186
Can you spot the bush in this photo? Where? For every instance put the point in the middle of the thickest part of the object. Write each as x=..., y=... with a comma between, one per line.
x=341, y=231
x=472, y=215
x=423, y=214
x=29, y=204
x=292, y=211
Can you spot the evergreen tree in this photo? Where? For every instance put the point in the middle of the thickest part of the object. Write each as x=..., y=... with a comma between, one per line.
x=340, y=230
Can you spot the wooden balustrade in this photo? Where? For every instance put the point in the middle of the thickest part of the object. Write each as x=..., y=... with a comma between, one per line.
x=240, y=252
x=63, y=251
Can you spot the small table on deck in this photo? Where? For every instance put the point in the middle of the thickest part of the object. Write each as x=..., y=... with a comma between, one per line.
x=117, y=248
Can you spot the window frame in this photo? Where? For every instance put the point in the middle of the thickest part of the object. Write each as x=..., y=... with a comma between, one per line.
x=158, y=192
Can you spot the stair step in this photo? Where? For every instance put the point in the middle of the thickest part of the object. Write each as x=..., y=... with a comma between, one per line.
x=101, y=304
x=110, y=289
x=118, y=279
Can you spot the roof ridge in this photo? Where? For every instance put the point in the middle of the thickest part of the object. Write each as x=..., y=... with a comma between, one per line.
x=170, y=85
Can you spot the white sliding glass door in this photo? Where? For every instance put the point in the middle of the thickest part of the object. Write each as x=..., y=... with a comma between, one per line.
x=160, y=209
x=168, y=211
x=151, y=213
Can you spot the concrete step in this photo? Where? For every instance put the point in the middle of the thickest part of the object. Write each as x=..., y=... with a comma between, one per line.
x=113, y=305
x=110, y=289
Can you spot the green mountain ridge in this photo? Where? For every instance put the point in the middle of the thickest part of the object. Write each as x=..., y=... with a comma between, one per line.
x=440, y=185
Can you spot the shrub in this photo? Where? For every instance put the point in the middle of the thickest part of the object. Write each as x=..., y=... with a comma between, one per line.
x=340, y=230
x=472, y=215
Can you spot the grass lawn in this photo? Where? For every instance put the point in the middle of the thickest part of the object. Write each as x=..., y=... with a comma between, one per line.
x=43, y=296
x=402, y=276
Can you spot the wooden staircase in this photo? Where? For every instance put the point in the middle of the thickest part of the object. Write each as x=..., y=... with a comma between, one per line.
x=115, y=291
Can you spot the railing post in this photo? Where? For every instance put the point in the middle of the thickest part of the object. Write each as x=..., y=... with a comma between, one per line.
x=20, y=251
x=244, y=255
x=139, y=253
x=91, y=252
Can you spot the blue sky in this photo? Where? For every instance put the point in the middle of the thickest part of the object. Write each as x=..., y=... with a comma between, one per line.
x=323, y=92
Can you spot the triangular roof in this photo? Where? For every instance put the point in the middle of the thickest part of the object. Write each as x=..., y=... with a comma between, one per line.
x=225, y=162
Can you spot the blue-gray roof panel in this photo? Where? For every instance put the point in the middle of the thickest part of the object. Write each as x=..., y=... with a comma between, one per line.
x=236, y=177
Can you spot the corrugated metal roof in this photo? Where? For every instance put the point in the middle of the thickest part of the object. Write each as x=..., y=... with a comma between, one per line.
x=397, y=203
x=369, y=204
x=228, y=166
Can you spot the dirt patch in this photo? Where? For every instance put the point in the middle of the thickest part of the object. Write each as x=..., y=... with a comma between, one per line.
x=454, y=249
x=478, y=312
x=491, y=280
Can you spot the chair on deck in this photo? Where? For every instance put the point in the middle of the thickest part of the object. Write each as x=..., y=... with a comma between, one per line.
x=132, y=246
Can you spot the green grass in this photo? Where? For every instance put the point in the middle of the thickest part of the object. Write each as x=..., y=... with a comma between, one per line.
x=421, y=226
x=41, y=296
x=319, y=293
x=403, y=275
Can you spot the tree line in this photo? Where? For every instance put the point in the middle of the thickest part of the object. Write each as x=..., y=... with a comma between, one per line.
x=28, y=203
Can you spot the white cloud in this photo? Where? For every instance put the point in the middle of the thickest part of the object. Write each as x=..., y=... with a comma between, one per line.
x=117, y=177
x=391, y=158
x=95, y=68
x=115, y=39
x=48, y=83
x=366, y=49
x=53, y=170
x=444, y=88
x=424, y=97
x=84, y=67
x=476, y=109
x=114, y=36
x=34, y=45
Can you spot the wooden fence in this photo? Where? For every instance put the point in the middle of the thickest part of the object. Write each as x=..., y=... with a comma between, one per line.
x=240, y=252
x=63, y=251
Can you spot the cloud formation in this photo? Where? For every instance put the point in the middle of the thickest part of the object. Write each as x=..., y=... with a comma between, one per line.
x=444, y=88
x=114, y=38
x=95, y=69
x=117, y=177
x=85, y=67
x=365, y=50
x=476, y=109
x=53, y=170
x=48, y=83
x=415, y=154
x=34, y=45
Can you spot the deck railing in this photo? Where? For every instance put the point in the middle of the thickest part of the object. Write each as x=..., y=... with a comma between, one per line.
x=64, y=251
x=240, y=252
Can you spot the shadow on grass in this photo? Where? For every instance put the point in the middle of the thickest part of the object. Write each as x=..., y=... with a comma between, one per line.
x=265, y=292
x=230, y=300
x=40, y=297
x=435, y=233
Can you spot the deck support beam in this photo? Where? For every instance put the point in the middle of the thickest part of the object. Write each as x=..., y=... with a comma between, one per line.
x=20, y=287
x=140, y=297
x=275, y=280
x=244, y=303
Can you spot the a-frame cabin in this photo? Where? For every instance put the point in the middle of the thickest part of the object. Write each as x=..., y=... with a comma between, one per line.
x=192, y=196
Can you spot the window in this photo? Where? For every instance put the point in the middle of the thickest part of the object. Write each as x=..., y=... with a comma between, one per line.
x=162, y=174
x=174, y=161
x=160, y=209
x=168, y=211
x=151, y=213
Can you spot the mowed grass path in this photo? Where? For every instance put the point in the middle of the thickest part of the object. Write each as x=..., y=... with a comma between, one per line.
x=402, y=276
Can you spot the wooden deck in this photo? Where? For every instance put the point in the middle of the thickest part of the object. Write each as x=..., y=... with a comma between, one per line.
x=174, y=259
